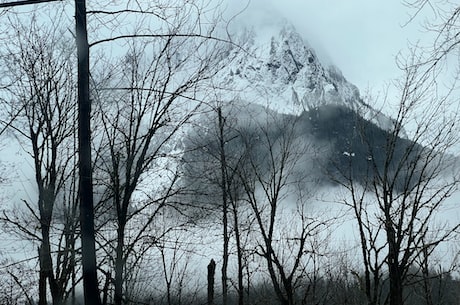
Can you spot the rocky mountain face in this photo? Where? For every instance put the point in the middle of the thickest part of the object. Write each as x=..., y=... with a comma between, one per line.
x=276, y=67
x=280, y=65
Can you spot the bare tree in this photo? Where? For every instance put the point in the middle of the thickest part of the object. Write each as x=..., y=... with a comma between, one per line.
x=153, y=94
x=213, y=157
x=409, y=176
x=160, y=99
x=276, y=169
x=41, y=104
x=444, y=22
x=225, y=206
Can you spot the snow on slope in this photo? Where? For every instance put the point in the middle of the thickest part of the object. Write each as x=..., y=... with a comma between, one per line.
x=276, y=67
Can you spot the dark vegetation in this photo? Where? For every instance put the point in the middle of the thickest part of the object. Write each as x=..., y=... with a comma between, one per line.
x=333, y=290
x=359, y=146
x=342, y=141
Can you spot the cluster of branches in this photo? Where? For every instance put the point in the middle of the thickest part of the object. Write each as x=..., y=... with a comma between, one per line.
x=411, y=175
x=141, y=100
x=253, y=169
x=256, y=165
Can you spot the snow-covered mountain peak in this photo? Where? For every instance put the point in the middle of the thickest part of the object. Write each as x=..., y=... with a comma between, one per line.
x=276, y=67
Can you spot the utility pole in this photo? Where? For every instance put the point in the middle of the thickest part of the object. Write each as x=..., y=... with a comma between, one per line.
x=88, y=246
x=90, y=284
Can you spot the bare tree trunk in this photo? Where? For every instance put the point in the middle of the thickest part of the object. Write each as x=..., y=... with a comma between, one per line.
x=394, y=269
x=42, y=300
x=427, y=290
x=119, y=265
x=46, y=271
x=44, y=258
x=46, y=206
x=396, y=286
x=224, y=188
x=239, y=254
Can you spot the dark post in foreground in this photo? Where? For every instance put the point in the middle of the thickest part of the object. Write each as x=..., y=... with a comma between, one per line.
x=211, y=273
x=88, y=249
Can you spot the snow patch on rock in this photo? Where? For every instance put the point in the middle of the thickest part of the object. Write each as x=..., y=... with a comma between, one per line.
x=276, y=67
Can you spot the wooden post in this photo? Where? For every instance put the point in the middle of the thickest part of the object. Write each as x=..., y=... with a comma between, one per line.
x=211, y=273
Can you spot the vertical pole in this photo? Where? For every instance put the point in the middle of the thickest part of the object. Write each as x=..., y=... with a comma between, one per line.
x=90, y=284
x=211, y=273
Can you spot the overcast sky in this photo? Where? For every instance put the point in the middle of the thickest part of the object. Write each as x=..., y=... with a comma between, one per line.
x=361, y=37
